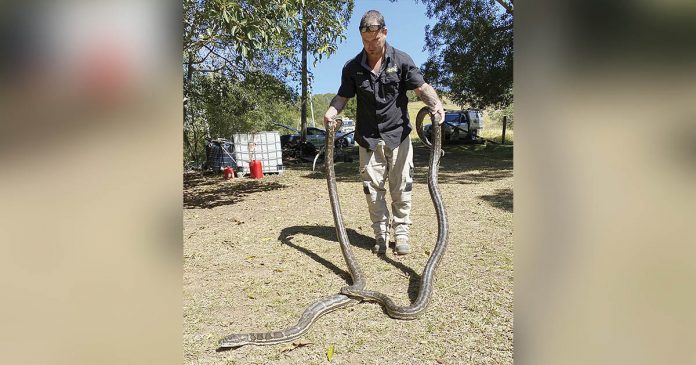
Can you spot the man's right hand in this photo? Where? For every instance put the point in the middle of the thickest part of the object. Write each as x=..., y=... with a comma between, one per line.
x=337, y=104
x=329, y=120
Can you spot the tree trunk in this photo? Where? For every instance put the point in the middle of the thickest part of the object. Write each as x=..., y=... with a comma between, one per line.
x=195, y=147
x=303, y=111
x=504, y=127
x=187, y=101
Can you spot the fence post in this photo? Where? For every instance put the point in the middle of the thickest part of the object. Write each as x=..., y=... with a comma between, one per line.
x=504, y=127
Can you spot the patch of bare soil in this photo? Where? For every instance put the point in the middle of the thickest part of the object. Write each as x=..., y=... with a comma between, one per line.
x=257, y=252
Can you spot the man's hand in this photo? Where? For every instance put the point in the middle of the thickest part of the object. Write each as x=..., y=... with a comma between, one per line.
x=330, y=118
x=426, y=93
x=438, y=114
x=337, y=104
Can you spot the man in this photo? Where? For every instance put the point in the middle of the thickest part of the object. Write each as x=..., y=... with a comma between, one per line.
x=379, y=77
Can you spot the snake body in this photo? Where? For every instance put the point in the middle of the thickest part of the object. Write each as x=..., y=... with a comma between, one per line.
x=356, y=292
x=426, y=282
x=313, y=311
x=323, y=305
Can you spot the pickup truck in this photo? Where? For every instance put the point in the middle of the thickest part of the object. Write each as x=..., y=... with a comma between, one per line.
x=460, y=125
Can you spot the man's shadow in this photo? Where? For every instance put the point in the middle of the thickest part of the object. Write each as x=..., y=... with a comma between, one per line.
x=357, y=240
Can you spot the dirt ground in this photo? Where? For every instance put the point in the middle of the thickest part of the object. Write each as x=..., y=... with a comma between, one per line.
x=257, y=252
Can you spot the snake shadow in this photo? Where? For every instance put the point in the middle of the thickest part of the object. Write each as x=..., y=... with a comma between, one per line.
x=225, y=349
x=357, y=240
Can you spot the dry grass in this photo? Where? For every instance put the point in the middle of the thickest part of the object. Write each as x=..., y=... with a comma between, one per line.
x=496, y=134
x=257, y=252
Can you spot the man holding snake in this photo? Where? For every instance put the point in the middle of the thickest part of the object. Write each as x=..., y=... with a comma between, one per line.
x=379, y=77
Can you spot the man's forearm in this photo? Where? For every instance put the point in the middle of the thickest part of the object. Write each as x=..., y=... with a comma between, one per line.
x=337, y=103
x=428, y=95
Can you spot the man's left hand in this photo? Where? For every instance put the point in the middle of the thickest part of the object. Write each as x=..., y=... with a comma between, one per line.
x=426, y=93
x=439, y=114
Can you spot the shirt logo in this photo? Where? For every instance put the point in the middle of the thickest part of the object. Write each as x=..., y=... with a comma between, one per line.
x=391, y=69
x=359, y=73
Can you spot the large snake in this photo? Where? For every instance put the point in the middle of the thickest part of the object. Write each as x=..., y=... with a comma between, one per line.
x=353, y=294
x=426, y=281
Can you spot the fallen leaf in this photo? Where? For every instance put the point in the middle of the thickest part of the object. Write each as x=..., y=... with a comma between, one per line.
x=288, y=347
x=295, y=345
x=250, y=257
x=301, y=343
x=441, y=361
x=278, y=270
x=330, y=352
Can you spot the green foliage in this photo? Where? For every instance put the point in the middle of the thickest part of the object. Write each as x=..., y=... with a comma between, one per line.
x=235, y=31
x=238, y=56
x=251, y=105
x=496, y=116
x=471, y=51
x=326, y=22
x=323, y=23
x=239, y=31
x=222, y=107
x=321, y=104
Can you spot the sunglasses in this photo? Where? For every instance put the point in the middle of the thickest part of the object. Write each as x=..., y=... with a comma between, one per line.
x=371, y=28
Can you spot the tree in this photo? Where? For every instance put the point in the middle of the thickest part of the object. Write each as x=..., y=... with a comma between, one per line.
x=237, y=58
x=321, y=103
x=320, y=28
x=234, y=32
x=226, y=40
x=248, y=106
x=232, y=42
x=471, y=50
x=225, y=106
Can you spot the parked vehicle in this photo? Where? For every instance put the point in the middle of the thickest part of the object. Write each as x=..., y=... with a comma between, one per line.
x=348, y=125
x=315, y=136
x=460, y=125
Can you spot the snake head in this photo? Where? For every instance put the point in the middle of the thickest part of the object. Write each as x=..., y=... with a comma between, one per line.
x=234, y=340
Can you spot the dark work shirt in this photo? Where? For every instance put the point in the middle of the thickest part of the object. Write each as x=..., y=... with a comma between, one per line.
x=382, y=111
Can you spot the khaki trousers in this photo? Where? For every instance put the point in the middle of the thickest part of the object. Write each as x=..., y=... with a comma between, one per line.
x=395, y=167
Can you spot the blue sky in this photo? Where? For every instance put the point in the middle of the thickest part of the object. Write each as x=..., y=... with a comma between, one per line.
x=406, y=22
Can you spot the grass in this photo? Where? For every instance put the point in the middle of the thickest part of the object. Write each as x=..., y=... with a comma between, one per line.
x=496, y=134
x=274, y=240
